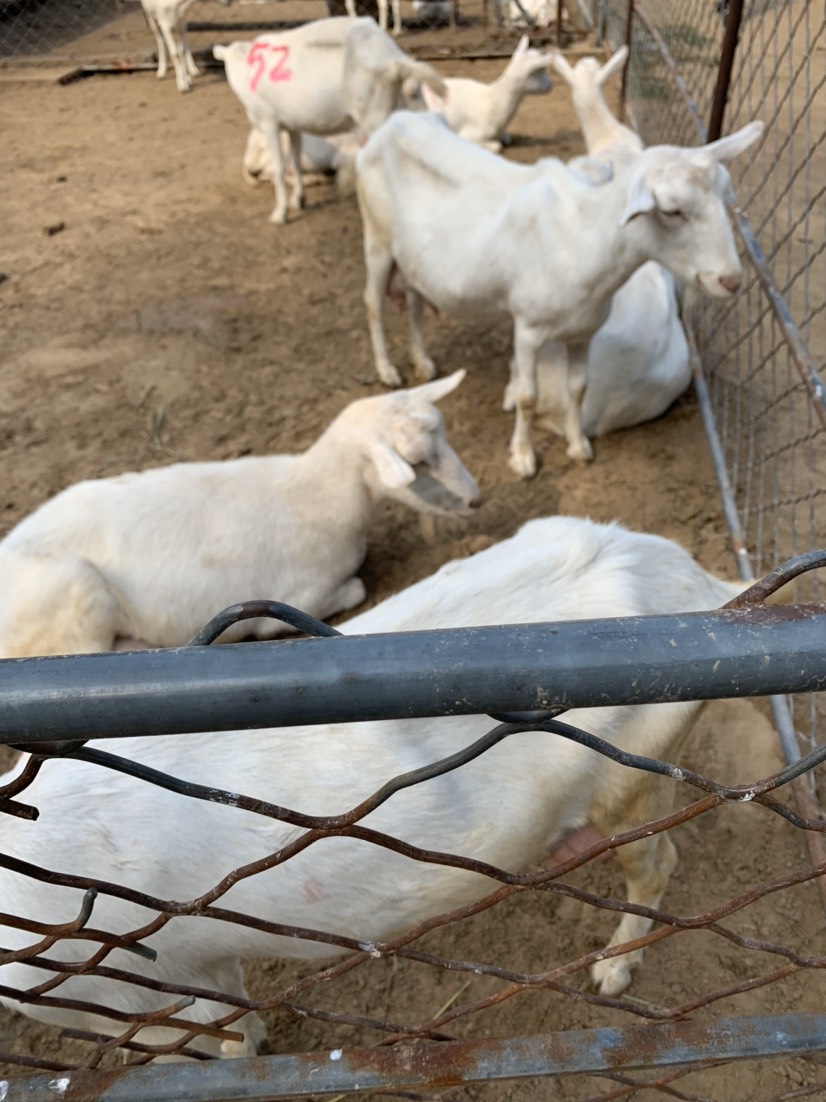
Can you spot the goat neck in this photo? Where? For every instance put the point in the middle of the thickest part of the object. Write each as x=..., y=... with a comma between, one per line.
x=329, y=479
x=600, y=128
x=620, y=249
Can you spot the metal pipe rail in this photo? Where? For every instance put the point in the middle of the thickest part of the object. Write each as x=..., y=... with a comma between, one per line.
x=453, y=1063
x=750, y=650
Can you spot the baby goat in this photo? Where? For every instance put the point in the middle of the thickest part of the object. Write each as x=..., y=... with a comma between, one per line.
x=507, y=807
x=152, y=556
x=480, y=112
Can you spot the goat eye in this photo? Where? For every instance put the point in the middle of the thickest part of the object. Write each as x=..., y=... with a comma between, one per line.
x=674, y=214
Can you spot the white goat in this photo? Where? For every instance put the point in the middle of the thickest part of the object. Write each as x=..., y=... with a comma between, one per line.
x=529, y=13
x=638, y=361
x=605, y=136
x=152, y=556
x=325, y=77
x=383, y=5
x=507, y=807
x=320, y=157
x=471, y=233
x=433, y=11
x=480, y=112
x=167, y=21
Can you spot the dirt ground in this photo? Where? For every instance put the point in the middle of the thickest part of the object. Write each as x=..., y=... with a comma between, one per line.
x=151, y=313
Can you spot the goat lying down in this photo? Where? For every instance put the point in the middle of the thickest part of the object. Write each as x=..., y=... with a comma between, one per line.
x=321, y=158
x=154, y=555
x=472, y=233
x=638, y=361
x=480, y=112
x=507, y=807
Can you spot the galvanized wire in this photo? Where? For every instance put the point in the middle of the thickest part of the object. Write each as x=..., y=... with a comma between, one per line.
x=762, y=354
x=61, y=30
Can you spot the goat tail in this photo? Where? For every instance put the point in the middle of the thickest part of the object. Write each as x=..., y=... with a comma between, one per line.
x=220, y=53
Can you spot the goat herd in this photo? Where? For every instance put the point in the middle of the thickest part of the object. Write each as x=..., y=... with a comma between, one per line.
x=585, y=258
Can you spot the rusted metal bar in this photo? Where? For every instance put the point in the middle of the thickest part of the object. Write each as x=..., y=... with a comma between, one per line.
x=732, y=33
x=402, y=1067
x=463, y=671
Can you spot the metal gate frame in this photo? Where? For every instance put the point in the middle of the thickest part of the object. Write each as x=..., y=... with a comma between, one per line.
x=536, y=671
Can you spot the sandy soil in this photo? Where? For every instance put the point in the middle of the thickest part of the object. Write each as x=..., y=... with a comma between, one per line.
x=151, y=313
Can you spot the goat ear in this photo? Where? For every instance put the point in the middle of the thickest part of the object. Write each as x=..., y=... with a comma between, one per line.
x=734, y=144
x=522, y=46
x=410, y=89
x=432, y=100
x=393, y=471
x=614, y=64
x=561, y=65
x=640, y=199
x=439, y=388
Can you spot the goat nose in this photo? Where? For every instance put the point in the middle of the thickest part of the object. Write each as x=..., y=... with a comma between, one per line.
x=731, y=283
x=475, y=501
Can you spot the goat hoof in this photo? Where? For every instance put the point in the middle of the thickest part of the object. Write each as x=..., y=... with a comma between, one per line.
x=389, y=375
x=278, y=217
x=255, y=1038
x=523, y=463
x=583, y=452
x=611, y=977
x=425, y=370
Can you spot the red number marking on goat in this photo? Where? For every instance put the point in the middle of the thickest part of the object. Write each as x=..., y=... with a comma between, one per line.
x=255, y=59
x=280, y=71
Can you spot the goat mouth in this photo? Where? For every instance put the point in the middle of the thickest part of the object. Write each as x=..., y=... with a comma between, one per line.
x=711, y=285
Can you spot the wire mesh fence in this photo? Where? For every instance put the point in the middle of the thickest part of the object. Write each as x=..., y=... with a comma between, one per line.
x=766, y=400
x=146, y=962
x=91, y=30
x=761, y=355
